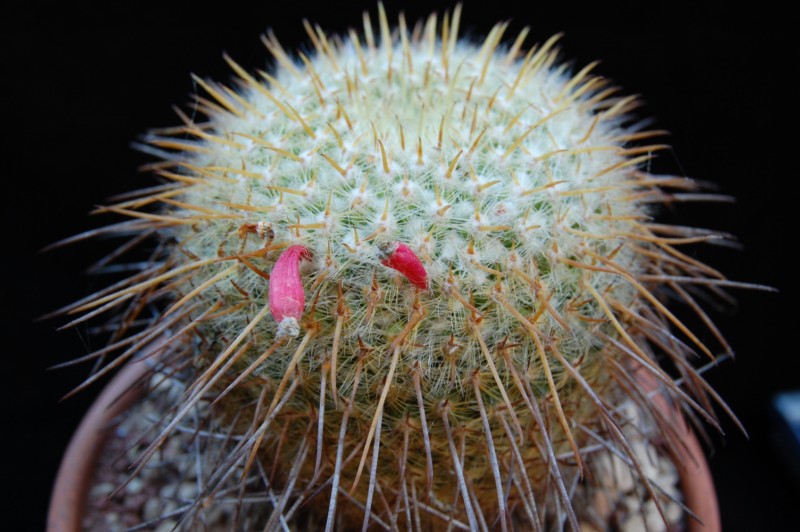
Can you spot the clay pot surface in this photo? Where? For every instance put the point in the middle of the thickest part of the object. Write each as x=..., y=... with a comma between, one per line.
x=75, y=475
x=697, y=484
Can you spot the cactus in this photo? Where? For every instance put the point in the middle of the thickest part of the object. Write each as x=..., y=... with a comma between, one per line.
x=410, y=277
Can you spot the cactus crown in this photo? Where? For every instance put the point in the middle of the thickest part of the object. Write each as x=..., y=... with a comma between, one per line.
x=456, y=245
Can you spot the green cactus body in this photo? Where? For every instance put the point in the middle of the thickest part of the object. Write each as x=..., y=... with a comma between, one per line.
x=520, y=188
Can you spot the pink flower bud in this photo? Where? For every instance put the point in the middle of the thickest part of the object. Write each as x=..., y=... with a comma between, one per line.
x=286, y=296
x=398, y=256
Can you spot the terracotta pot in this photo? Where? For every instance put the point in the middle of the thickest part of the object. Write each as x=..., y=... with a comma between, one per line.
x=696, y=482
x=67, y=504
x=71, y=489
x=697, y=486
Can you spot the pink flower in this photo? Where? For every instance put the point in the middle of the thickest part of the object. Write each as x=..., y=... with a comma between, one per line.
x=287, y=299
x=399, y=257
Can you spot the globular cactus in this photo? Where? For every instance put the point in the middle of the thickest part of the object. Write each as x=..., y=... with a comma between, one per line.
x=413, y=275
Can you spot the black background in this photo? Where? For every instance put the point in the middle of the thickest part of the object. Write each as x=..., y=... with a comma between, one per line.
x=80, y=84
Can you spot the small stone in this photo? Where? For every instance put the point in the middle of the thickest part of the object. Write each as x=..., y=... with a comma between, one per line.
x=602, y=468
x=622, y=474
x=673, y=512
x=601, y=505
x=134, y=486
x=174, y=447
x=187, y=491
x=653, y=518
x=152, y=509
x=642, y=517
x=166, y=526
x=633, y=523
x=168, y=491
x=102, y=490
x=169, y=507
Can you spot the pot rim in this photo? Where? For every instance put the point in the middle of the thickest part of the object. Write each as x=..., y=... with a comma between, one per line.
x=696, y=481
x=72, y=484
